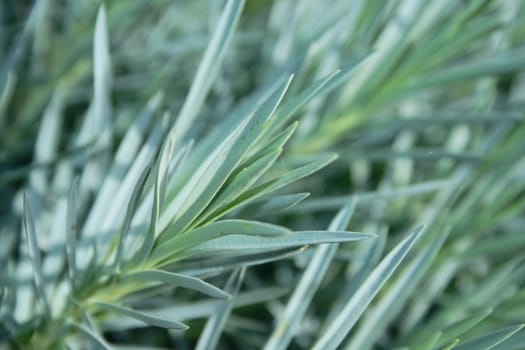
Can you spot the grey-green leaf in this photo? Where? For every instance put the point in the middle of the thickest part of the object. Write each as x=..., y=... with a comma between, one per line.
x=34, y=254
x=355, y=307
x=242, y=243
x=490, y=340
x=71, y=231
x=96, y=338
x=215, y=230
x=307, y=286
x=210, y=335
x=141, y=316
x=175, y=279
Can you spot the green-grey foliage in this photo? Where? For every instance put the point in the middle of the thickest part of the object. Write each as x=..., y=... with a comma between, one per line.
x=249, y=174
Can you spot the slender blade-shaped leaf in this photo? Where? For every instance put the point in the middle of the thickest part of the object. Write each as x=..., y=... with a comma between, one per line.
x=355, y=307
x=243, y=180
x=209, y=67
x=34, y=254
x=307, y=286
x=391, y=303
x=212, y=331
x=158, y=196
x=213, y=173
x=132, y=207
x=71, y=231
x=215, y=230
x=175, y=279
x=141, y=316
x=490, y=340
x=220, y=264
x=458, y=328
x=236, y=242
x=286, y=201
x=96, y=338
x=274, y=184
x=102, y=73
x=327, y=203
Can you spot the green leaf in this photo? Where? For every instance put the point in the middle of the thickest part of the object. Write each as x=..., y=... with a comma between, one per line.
x=240, y=243
x=130, y=211
x=212, y=331
x=34, y=254
x=198, y=192
x=458, y=328
x=310, y=281
x=490, y=340
x=326, y=203
x=515, y=342
x=319, y=88
x=392, y=301
x=159, y=192
x=450, y=345
x=208, y=68
x=278, y=203
x=102, y=75
x=370, y=254
x=125, y=156
x=72, y=231
x=175, y=279
x=212, y=266
x=428, y=343
x=96, y=338
x=501, y=63
x=214, y=230
x=355, y=307
x=141, y=316
x=278, y=182
x=195, y=309
x=114, y=215
x=240, y=182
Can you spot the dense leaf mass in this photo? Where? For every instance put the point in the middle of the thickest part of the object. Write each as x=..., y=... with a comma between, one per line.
x=240, y=174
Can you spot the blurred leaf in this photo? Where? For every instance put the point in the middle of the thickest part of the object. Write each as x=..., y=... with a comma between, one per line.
x=489, y=340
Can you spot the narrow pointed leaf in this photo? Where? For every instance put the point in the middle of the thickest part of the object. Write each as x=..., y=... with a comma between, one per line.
x=71, y=231
x=307, y=286
x=458, y=328
x=212, y=331
x=355, y=307
x=490, y=340
x=124, y=158
x=34, y=254
x=279, y=203
x=215, y=230
x=141, y=316
x=239, y=243
x=209, y=67
x=102, y=74
x=132, y=207
x=319, y=88
x=218, y=265
x=393, y=300
x=326, y=203
x=175, y=279
x=276, y=183
x=158, y=196
x=97, y=339
x=243, y=180
x=213, y=173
